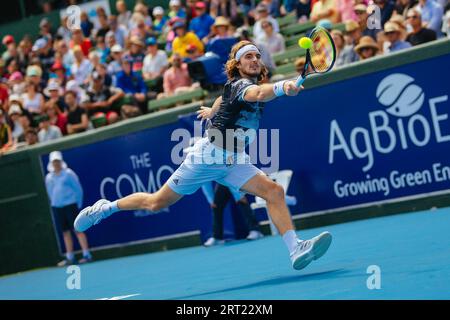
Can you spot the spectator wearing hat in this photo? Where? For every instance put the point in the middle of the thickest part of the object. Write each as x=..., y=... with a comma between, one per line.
x=159, y=20
x=80, y=93
x=400, y=21
x=78, y=39
x=366, y=48
x=432, y=13
x=136, y=54
x=115, y=66
x=392, y=34
x=45, y=28
x=176, y=10
x=176, y=78
x=17, y=130
x=47, y=131
x=202, y=23
x=16, y=83
x=325, y=9
x=274, y=41
x=59, y=73
x=263, y=14
x=155, y=63
x=77, y=120
x=56, y=116
x=101, y=98
x=183, y=39
x=81, y=68
x=66, y=198
x=32, y=99
x=133, y=85
x=55, y=95
x=34, y=75
x=11, y=47
x=6, y=138
x=353, y=34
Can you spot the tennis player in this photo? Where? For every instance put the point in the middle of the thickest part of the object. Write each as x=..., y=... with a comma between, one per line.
x=232, y=115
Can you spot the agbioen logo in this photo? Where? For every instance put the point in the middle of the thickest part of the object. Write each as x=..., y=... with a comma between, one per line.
x=402, y=124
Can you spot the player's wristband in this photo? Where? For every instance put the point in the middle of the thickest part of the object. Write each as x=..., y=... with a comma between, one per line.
x=278, y=88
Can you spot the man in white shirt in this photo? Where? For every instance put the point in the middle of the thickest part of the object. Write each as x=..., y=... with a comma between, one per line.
x=48, y=131
x=155, y=63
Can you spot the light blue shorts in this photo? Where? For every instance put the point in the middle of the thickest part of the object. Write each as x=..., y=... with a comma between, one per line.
x=206, y=162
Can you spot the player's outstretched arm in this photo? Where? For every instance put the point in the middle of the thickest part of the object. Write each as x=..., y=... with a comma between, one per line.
x=207, y=113
x=270, y=91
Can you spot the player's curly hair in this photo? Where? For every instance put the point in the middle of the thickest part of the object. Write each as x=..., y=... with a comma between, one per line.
x=231, y=65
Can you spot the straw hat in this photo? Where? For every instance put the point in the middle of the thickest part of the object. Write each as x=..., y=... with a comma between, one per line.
x=221, y=21
x=391, y=27
x=135, y=40
x=351, y=26
x=366, y=42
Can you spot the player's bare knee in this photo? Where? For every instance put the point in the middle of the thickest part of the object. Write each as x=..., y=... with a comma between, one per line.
x=274, y=193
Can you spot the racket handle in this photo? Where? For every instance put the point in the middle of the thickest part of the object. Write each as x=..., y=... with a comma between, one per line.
x=299, y=81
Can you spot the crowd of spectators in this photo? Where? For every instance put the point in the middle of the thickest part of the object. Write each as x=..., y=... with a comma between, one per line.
x=69, y=80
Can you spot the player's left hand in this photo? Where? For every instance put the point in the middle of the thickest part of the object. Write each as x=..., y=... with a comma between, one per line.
x=291, y=88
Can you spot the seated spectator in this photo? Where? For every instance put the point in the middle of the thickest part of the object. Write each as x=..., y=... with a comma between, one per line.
x=176, y=10
x=17, y=130
x=263, y=14
x=183, y=39
x=393, y=43
x=6, y=138
x=141, y=30
x=366, y=48
x=77, y=120
x=155, y=62
x=247, y=8
x=201, y=25
x=80, y=93
x=176, y=78
x=115, y=66
x=132, y=84
x=124, y=16
x=339, y=42
x=102, y=69
x=159, y=20
x=79, y=40
x=400, y=22
x=31, y=137
x=348, y=54
x=432, y=14
x=101, y=49
x=63, y=31
x=57, y=118
x=103, y=26
x=66, y=55
x=86, y=25
x=47, y=131
x=60, y=73
x=55, y=96
x=119, y=31
x=136, y=53
x=224, y=8
x=419, y=34
x=142, y=8
x=81, y=68
x=34, y=75
x=362, y=16
x=347, y=10
x=101, y=98
x=274, y=41
x=32, y=99
x=274, y=7
x=16, y=83
x=386, y=9
x=325, y=9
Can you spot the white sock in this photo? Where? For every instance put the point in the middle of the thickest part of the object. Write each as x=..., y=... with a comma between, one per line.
x=70, y=255
x=290, y=239
x=111, y=207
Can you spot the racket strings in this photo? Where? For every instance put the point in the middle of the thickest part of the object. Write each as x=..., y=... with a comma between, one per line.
x=321, y=51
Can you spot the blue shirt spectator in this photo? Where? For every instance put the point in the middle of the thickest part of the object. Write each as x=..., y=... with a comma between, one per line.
x=63, y=187
x=432, y=13
x=201, y=25
x=130, y=82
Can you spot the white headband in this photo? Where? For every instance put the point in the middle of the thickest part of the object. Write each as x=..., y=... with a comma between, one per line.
x=244, y=50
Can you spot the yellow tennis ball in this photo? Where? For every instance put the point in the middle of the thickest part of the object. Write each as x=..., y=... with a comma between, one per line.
x=305, y=42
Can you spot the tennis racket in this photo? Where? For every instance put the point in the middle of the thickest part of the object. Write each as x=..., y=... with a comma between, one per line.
x=320, y=57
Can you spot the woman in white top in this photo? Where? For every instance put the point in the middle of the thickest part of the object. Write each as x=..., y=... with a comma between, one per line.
x=33, y=100
x=273, y=40
x=81, y=68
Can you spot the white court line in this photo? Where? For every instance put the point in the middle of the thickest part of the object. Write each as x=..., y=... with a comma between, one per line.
x=120, y=297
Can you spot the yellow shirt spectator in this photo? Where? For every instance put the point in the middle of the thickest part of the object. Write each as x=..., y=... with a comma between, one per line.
x=181, y=44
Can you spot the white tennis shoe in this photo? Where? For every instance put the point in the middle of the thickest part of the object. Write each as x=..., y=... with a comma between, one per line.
x=309, y=250
x=91, y=215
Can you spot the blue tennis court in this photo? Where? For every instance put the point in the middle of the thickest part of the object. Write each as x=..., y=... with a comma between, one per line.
x=412, y=251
